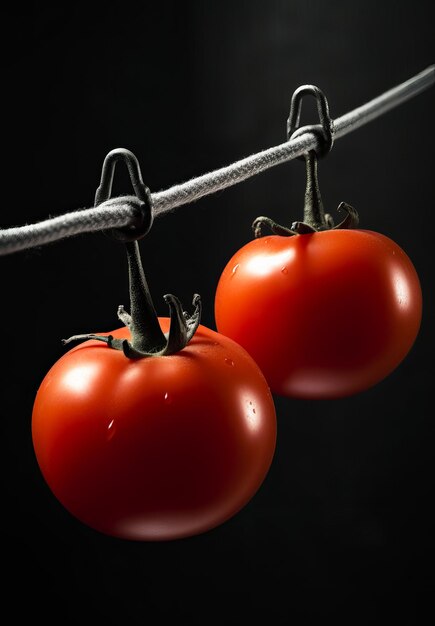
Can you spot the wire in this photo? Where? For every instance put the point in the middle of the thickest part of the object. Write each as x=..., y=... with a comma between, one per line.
x=120, y=212
x=217, y=180
x=115, y=213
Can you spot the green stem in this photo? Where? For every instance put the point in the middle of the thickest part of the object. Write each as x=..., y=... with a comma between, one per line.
x=314, y=213
x=147, y=335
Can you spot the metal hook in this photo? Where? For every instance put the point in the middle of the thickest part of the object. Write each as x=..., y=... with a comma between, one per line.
x=103, y=193
x=323, y=131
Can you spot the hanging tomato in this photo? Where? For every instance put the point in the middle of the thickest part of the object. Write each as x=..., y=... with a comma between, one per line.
x=159, y=430
x=326, y=311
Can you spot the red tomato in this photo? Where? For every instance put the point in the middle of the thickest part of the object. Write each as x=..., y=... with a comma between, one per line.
x=156, y=448
x=325, y=315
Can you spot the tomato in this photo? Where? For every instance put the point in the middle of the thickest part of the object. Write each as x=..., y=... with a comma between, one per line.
x=326, y=314
x=156, y=448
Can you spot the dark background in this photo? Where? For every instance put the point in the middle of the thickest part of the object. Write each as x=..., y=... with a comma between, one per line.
x=342, y=527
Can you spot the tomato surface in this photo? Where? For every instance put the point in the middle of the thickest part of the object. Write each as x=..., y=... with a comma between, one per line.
x=157, y=448
x=326, y=314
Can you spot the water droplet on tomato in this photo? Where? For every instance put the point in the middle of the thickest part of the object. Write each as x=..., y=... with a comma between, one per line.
x=229, y=362
x=235, y=268
x=284, y=270
x=111, y=430
x=167, y=398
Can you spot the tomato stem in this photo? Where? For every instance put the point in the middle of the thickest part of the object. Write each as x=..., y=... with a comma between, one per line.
x=315, y=218
x=314, y=213
x=145, y=329
x=147, y=338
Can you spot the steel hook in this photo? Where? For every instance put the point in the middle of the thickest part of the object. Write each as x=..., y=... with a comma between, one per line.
x=145, y=214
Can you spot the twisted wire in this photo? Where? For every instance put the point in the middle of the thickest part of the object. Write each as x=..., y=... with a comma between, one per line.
x=121, y=211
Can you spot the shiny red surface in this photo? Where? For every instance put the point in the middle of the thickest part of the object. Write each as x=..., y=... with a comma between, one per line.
x=157, y=448
x=325, y=315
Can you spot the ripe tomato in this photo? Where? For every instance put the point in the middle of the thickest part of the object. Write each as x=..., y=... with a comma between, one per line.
x=325, y=314
x=156, y=448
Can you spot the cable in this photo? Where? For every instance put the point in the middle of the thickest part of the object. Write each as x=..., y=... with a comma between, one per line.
x=120, y=212
x=115, y=213
x=217, y=180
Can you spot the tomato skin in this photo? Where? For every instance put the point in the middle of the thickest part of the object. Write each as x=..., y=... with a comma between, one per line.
x=325, y=315
x=158, y=448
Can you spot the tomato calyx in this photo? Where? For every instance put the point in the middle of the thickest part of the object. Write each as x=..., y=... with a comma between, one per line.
x=147, y=338
x=182, y=328
x=351, y=220
x=315, y=219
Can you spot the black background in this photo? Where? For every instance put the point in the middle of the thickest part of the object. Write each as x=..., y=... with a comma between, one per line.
x=342, y=527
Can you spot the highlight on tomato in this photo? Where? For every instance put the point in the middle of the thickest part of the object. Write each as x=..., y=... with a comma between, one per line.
x=325, y=315
x=159, y=430
x=326, y=311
